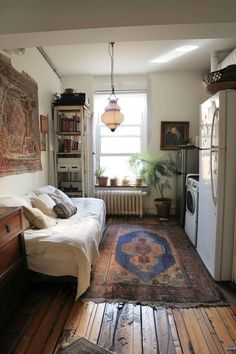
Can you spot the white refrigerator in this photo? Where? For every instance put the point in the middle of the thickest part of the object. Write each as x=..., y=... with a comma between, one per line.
x=217, y=184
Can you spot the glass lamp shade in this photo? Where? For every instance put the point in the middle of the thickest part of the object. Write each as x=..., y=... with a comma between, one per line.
x=112, y=117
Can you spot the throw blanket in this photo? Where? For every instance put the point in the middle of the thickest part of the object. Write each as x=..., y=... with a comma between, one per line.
x=71, y=240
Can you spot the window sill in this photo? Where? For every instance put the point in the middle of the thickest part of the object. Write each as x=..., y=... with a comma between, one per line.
x=129, y=187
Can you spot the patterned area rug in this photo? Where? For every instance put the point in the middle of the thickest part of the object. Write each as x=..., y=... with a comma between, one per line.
x=151, y=265
x=83, y=346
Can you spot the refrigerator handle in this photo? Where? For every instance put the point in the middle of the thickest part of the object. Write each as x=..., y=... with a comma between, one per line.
x=212, y=180
x=212, y=126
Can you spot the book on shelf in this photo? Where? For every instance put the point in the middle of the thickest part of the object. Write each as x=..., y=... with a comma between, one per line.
x=71, y=125
x=68, y=145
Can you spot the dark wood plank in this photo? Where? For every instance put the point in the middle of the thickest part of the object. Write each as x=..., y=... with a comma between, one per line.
x=91, y=321
x=213, y=348
x=124, y=332
x=174, y=333
x=228, y=321
x=149, y=338
x=164, y=337
x=41, y=335
x=57, y=328
x=97, y=323
x=195, y=332
x=184, y=338
x=70, y=326
x=34, y=324
x=109, y=325
x=137, y=330
x=220, y=329
x=212, y=331
x=84, y=320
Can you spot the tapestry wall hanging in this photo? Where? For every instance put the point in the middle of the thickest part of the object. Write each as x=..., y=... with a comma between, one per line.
x=19, y=122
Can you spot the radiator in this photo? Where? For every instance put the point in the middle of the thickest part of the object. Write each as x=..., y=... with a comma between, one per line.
x=122, y=202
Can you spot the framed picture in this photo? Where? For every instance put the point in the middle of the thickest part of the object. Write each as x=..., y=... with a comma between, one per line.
x=43, y=142
x=174, y=134
x=43, y=124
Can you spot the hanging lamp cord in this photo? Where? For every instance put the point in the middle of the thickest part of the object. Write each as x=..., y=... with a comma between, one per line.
x=111, y=53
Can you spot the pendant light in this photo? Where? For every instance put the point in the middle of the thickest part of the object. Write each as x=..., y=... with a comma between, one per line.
x=112, y=117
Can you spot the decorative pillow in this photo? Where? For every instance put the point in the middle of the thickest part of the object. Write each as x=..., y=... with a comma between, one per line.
x=45, y=204
x=44, y=190
x=56, y=198
x=37, y=218
x=17, y=202
x=63, y=196
x=65, y=210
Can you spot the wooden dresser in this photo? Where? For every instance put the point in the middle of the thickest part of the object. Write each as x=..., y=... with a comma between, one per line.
x=13, y=272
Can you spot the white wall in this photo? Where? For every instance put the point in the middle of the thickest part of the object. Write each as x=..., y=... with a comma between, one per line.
x=35, y=65
x=172, y=96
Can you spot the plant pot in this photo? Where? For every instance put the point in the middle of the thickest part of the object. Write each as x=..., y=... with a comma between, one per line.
x=163, y=207
x=102, y=181
x=125, y=182
x=139, y=181
x=113, y=182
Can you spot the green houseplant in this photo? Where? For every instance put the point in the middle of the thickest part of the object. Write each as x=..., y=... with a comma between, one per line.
x=101, y=179
x=157, y=171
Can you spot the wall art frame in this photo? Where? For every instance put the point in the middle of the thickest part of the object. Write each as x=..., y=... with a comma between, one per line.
x=173, y=134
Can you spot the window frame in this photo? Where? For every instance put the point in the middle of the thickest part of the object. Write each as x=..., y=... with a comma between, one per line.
x=99, y=125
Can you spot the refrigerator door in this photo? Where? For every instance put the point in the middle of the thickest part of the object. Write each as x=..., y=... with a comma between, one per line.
x=207, y=215
x=209, y=123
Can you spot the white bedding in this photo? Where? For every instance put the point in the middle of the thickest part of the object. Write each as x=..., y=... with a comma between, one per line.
x=70, y=247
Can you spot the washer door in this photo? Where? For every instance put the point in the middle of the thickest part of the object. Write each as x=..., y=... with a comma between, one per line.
x=190, y=202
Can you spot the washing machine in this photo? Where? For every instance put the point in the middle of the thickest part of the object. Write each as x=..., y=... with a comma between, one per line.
x=191, y=214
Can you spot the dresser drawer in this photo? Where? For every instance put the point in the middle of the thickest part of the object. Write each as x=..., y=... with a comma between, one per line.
x=10, y=226
x=10, y=253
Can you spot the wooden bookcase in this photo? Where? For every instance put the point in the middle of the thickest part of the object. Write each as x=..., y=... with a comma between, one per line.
x=73, y=155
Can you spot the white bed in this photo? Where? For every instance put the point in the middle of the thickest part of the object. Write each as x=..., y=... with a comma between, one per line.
x=71, y=246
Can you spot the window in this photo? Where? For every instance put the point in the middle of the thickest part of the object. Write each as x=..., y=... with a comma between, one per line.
x=113, y=149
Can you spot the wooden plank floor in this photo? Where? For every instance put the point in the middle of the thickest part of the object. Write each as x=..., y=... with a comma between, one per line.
x=55, y=321
x=49, y=320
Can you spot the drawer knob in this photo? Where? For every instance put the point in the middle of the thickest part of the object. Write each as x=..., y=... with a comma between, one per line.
x=7, y=227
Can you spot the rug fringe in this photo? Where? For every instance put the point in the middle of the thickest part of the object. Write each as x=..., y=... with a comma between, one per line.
x=157, y=304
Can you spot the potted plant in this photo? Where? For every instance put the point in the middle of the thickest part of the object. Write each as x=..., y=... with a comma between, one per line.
x=157, y=170
x=114, y=181
x=101, y=179
x=125, y=181
x=137, y=168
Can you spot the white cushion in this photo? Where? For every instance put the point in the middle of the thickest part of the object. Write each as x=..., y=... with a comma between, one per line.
x=63, y=196
x=38, y=219
x=44, y=203
x=44, y=190
x=18, y=201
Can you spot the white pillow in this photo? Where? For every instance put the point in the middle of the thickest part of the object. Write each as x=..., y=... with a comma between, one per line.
x=44, y=190
x=63, y=196
x=17, y=202
x=44, y=203
x=38, y=219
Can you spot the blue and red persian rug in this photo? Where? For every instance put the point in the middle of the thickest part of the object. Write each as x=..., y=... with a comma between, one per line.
x=151, y=265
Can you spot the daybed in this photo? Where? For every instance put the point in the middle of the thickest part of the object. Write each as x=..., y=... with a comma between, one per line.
x=69, y=246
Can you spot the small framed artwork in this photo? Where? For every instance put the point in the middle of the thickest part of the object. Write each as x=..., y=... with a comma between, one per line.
x=43, y=124
x=43, y=142
x=174, y=134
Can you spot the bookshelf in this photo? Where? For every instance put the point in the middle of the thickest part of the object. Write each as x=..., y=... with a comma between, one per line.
x=73, y=156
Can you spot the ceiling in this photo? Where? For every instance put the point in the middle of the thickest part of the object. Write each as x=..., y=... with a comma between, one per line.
x=75, y=33
x=134, y=57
